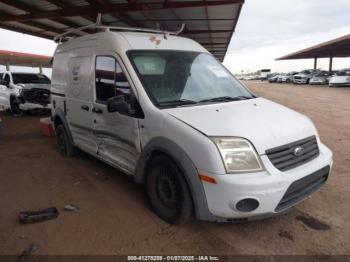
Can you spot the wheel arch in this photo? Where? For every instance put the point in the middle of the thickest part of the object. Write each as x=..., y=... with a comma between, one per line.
x=164, y=146
x=59, y=118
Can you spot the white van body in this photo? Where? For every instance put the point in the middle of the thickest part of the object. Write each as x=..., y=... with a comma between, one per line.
x=192, y=136
x=24, y=95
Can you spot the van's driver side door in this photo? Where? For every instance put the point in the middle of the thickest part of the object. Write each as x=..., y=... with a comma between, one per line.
x=117, y=134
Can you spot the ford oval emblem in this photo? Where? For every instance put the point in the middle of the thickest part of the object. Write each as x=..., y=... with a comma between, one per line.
x=298, y=151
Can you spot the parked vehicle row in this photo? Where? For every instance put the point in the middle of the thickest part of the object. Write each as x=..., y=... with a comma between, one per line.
x=314, y=77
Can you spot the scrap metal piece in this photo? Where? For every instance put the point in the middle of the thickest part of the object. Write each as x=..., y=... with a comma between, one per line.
x=38, y=216
x=26, y=253
x=71, y=207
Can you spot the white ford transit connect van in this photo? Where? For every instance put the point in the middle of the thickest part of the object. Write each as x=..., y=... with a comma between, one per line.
x=162, y=109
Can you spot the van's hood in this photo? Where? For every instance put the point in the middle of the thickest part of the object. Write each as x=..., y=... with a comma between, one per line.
x=31, y=86
x=265, y=123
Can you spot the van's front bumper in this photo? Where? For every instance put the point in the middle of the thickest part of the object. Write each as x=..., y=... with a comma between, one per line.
x=268, y=188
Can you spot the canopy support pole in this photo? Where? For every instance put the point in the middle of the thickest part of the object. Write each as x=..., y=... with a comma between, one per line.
x=7, y=67
x=315, y=63
x=330, y=64
x=40, y=69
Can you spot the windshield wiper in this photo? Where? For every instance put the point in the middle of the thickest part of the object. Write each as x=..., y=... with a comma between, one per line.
x=178, y=102
x=225, y=99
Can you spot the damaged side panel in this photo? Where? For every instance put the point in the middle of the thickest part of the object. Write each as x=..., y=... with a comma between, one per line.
x=118, y=139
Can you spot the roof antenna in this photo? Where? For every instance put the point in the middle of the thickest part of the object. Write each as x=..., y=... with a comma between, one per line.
x=181, y=29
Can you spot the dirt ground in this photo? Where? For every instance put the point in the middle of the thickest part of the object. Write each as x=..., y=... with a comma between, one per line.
x=115, y=218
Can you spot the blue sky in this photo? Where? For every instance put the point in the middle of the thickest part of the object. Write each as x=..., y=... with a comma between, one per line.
x=267, y=29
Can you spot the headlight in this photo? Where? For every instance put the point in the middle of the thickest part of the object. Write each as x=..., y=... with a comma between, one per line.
x=238, y=155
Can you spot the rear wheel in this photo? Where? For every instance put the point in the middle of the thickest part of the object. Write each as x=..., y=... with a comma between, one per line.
x=63, y=142
x=168, y=192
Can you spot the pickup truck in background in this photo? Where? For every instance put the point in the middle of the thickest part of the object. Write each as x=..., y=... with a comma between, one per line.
x=304, y=76
x=24, y=91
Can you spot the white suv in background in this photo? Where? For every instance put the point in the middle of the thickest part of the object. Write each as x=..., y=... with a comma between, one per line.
x=24, y=91
x=163, y=110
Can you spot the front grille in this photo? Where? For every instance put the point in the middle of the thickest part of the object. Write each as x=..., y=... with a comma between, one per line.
x=297, y=77
x=285, y=158
x=302, y=188
x=36, y=96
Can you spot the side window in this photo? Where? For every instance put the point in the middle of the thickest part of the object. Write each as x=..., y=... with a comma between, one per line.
x=7, y=80
x=105, y=77
x=1, y=75
x=110, y=81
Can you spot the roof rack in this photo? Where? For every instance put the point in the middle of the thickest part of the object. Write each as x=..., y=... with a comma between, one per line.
x=98, y=26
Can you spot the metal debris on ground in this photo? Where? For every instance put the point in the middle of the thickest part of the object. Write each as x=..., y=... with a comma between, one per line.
x=71, y=208
x=38, y=216
x=26, y=253
x=101, y=176
x=313, y=222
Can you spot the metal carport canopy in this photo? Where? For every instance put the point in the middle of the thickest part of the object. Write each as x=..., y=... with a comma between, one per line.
x=210, y=22
x=24, y=59
x=339, y=47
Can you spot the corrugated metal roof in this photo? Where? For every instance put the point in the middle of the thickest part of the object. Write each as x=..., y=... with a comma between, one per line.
x=210, y=22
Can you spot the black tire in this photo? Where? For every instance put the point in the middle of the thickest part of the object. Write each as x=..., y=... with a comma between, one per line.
x=14, y=107
x=168, y=191
x=63, y=142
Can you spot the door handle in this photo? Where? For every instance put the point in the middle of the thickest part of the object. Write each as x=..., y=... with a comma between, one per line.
x=97, y=110
x=85, y=107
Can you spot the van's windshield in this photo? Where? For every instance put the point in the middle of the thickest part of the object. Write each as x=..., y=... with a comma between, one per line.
x=176, y=78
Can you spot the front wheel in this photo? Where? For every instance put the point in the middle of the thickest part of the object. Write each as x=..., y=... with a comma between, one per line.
x=14, y=106
x=168, y=192
x=63, y=142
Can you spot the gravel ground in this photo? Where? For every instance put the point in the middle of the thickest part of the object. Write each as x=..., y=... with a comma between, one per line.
x=115, y=218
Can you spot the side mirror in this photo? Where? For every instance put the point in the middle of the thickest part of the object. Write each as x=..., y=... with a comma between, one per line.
x=117, y=104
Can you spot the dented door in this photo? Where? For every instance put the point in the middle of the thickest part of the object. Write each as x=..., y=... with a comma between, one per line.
x=117, y=134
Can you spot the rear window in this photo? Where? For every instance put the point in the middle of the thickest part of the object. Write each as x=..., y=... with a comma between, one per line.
x=23, y=78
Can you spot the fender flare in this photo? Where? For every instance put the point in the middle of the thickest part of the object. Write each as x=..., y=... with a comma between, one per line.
x=165, y=146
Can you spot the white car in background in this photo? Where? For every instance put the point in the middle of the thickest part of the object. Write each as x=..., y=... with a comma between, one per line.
x=24, y=91
x=286, y=78
x=322, y=78
x=342, y=78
